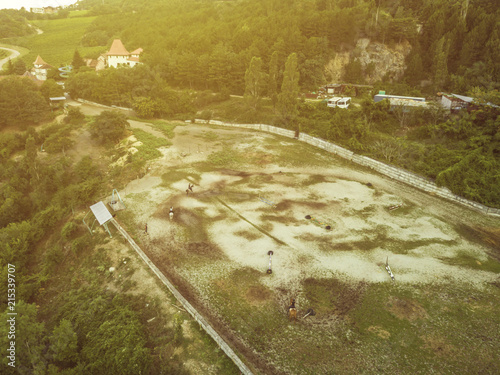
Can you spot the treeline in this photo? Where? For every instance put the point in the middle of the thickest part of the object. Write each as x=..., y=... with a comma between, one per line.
x=13, y=23
x=22, y=102
x=459, y=45
x=139, y=88
x=209, y=44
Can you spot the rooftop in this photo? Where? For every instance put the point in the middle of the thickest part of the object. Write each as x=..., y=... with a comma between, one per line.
x=117, y=49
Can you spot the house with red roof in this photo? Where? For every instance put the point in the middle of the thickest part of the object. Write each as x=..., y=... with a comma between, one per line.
x=40, y=69
x=119, y=56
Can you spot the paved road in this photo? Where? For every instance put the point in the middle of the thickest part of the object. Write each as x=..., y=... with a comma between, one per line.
x=13, y=55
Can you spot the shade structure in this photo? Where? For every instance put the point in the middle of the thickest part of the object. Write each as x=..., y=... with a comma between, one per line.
x=101, y=213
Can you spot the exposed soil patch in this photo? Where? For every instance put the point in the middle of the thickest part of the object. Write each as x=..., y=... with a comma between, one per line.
x=331, y=296
x=286, y=204
x=379, y=332
x=439, y=346
x=257, y=295
x=204, y=249
x=406, y=309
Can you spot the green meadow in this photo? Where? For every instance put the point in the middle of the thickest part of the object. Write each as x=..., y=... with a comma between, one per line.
x=58, y=42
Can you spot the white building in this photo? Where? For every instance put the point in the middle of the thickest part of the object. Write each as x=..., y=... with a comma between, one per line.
x=119, y=56
x=40, y=69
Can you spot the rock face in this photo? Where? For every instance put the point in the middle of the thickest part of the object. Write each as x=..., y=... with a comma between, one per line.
x=377, y=60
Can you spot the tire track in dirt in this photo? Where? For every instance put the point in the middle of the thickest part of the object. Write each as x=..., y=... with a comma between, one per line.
x=252, y=224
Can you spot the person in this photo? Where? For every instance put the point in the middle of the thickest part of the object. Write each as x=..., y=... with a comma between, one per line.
x=146, y=228
x=171, y=213
x=190, y=187
x=292, y=306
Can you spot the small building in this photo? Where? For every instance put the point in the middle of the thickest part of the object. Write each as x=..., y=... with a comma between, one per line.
x=347, y=88
x=49, y=10
x=339, y=102
x=379, y=97
x=57, y=101
x=405, y=102
x=32, y=78
x=119, y=56
x=455, y=103
x=40, y=69
x=44, y=10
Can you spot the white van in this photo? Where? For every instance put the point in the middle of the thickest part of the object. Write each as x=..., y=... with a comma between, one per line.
x=339, y=102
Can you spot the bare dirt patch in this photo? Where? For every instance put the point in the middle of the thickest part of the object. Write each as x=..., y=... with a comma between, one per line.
x=380, y=332
x=406, y=309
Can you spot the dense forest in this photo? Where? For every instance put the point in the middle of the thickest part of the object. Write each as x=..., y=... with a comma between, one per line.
x=209, y=45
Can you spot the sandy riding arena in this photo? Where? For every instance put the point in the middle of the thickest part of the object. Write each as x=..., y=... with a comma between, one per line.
x=331, y=226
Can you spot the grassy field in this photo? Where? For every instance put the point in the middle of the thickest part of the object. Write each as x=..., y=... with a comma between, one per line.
x=58, y=42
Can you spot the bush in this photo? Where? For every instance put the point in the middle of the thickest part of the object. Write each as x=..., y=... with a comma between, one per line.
x=74, y=116
x=109, y=127
x=68, y=230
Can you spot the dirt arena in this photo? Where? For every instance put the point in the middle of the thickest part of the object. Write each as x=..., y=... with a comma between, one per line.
x=254, y=193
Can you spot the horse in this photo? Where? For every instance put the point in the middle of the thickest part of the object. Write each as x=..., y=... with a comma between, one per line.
x=292, y=311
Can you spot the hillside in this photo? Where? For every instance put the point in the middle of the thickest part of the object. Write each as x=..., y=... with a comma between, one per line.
x=209, y=44
x=87, y=303
x=13, y=24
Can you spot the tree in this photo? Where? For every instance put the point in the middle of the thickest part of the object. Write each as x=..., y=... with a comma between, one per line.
x=109, y=126
x=440, y=63
x=29, y=338
x=21, y=103
x=63, y=342
x=272, y=84
x=51, y=89
x=95, y=38
x=19, y=67
x=74, y=116
x=147, y=107
x=414, y=72
x=354, y=72
x=77, y=61
x=254, y=82
x=287, y=99
x=9, y=68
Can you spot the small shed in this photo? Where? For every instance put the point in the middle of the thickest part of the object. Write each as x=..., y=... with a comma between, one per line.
x=404, y=102
x=455, y=102
x=379, y=97
x=57, y=102
x=101, y=215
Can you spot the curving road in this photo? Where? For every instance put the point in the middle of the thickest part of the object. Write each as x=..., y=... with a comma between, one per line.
x=13, y=55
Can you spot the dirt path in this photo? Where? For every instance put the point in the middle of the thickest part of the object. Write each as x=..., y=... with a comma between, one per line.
x=13, y=55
